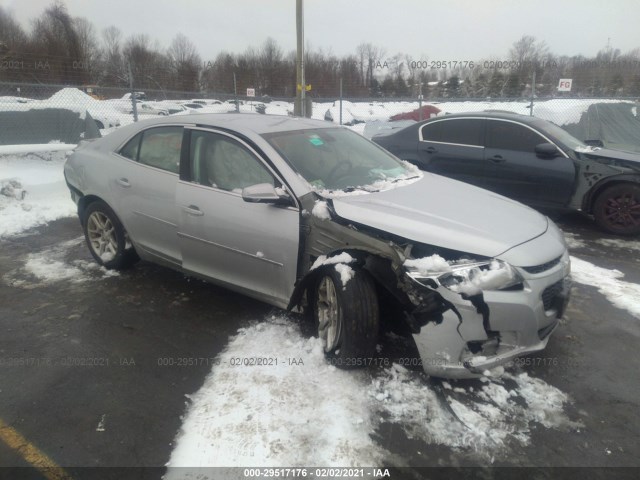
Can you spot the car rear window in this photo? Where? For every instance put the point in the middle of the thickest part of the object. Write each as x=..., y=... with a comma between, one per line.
x=160, y=148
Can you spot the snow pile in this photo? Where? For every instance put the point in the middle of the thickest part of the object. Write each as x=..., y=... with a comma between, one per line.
x=299, y=411
x=291, y=408
x=52, y=265
x=73, y=98
x=47, y=196
x=573, y=241
x=54, y=146
x=632, y=245
x=564, y=112
x=624, y=295
x=492, y=415
x=321, y=210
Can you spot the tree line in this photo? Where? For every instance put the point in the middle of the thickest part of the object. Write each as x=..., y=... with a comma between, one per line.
x=62, y=49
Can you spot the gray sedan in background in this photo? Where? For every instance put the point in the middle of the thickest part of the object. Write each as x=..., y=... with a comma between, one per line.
x=303, y=215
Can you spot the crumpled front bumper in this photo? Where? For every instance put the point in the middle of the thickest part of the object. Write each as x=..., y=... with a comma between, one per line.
x=519, y=322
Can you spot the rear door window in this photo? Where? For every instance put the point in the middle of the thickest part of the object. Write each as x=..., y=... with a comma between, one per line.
x=160, y=148
x=130, y=150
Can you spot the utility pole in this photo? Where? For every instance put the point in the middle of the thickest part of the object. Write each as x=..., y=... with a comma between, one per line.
x=300, y=82
x=235, y=92
x=533, y=91
x=340, y=96
x=134, y=100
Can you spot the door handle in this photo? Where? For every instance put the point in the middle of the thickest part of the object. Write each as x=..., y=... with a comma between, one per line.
x=430, y=150
x=193, y=210
x=123, y=182
x=498, y=159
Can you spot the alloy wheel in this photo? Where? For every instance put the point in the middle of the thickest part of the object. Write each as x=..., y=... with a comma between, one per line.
x=102, y=236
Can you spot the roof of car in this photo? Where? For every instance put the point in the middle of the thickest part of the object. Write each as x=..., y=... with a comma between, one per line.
x=489, y=114
x=245, y=122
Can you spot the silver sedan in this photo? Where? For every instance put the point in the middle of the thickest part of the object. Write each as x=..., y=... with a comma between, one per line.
x=309, y=216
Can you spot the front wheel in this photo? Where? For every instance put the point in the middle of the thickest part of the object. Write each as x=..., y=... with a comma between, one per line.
x=106, y=237
x=617, y=209
x=347, y=317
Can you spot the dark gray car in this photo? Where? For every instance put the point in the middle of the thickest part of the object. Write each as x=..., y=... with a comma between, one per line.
x=527, y=159
x=300, y=214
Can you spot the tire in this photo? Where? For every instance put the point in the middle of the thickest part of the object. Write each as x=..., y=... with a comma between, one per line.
x=617, y=209
x=347, y=318
x=106, y=237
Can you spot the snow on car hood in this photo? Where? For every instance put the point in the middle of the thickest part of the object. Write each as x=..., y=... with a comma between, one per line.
x=446, y=213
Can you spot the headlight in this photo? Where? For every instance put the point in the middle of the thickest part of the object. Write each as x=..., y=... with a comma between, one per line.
x=468, y=277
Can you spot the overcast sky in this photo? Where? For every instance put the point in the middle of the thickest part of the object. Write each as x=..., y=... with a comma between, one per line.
x=443, y=30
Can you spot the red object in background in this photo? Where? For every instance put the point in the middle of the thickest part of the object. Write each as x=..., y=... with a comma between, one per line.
x=427, y=112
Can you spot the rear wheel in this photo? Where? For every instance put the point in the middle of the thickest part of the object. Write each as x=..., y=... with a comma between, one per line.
x=347, y=318
x=617, y=209
x=106, y=237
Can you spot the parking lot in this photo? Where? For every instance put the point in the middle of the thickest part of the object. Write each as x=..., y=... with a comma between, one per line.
x=100, y=370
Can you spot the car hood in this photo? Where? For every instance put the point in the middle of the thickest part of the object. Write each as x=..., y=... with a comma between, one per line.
x=607, y=153
x=446, y=213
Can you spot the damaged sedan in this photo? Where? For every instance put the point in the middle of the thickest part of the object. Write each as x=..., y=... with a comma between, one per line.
x=307, y=216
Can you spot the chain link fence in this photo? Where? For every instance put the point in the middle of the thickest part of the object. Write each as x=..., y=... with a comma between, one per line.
x=614, y=121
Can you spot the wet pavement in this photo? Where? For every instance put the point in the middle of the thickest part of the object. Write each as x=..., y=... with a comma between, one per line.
x=95, y=368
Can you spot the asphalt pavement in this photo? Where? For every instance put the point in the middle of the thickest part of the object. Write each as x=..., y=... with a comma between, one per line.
x=90, y=374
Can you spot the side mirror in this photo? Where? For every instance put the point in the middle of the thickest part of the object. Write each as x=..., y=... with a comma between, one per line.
x=546, y=150
x=265, y=193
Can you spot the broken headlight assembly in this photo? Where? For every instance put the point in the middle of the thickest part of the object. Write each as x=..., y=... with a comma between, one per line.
x=466, y=277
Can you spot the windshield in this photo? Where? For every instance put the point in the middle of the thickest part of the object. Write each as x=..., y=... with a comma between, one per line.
x=562, y=135
x=338, y=159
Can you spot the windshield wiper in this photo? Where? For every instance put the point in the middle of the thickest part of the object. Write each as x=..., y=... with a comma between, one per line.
x=404, y=178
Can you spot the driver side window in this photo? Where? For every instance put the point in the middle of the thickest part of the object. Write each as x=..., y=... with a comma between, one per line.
x=512, y=136
x=222, y=162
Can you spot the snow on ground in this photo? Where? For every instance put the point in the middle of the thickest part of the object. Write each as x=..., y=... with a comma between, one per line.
x=500, y=411
x=36, y=148
x=47, y=196
x=573, y=240
x=295, y=409
x=624, y=295
x=619, y=243
x=53, y=265
x=308, y=414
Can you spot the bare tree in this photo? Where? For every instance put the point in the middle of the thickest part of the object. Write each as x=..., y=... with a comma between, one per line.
x=270, y=62
x=12, y=36
x=113, y=69
x=54, y=36
x=528, y=54
x=185, y=63
x=89, y=52
x=373, y=55
x=148, y=64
